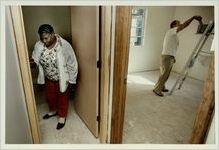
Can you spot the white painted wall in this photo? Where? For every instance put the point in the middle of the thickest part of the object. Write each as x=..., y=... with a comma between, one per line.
x=147, y=57
x=188, y=39
x=17, y=122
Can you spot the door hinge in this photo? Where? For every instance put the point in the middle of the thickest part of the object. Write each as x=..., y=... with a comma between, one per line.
x=98, y=64
x=98, y=118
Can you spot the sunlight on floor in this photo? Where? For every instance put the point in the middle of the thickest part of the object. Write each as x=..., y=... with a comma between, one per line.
x=137, y=79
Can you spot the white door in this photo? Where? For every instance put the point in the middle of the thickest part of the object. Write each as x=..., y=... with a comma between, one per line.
x=85, y=42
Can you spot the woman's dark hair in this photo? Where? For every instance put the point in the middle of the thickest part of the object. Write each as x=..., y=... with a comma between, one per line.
x=45, y=28
x=173, y=23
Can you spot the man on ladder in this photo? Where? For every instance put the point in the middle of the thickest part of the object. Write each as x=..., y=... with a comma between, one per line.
x=170, y=45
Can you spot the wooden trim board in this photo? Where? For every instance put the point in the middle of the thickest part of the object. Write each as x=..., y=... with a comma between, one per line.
x=122, y=39
x=104, y=71
x=206, y=107
x=21, y=45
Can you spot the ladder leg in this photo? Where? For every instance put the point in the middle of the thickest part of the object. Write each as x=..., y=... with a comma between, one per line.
x=179, y=79
x=183, y=79
x=174, y=86
x=191, y=62
x=192, y=58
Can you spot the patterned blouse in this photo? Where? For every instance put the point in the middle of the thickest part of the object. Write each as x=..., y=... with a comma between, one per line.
x=48, y=60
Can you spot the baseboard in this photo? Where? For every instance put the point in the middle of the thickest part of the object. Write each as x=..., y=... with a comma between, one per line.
x=143, y=71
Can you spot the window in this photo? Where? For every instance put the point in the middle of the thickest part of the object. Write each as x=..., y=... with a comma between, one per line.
x=137, y=27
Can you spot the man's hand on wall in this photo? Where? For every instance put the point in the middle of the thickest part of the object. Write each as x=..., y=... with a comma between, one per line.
x=199, y=18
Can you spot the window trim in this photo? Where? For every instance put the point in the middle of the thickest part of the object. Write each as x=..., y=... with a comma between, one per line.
x=143, y=27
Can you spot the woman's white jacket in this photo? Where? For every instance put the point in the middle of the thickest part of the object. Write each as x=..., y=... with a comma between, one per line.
x=66, y=62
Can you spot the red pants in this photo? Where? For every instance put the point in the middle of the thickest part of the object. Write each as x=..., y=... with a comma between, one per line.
x=56, y=100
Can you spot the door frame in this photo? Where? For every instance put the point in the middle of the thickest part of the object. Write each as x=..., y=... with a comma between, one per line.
x=121, y=56
x=105, y=48
x=22, y=50
x=206, y=108
x=123, y=22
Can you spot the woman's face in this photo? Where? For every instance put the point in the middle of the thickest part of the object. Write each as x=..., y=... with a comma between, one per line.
x=47, y=38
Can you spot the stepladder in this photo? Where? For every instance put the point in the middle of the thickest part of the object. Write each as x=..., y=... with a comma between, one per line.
x=193, y=57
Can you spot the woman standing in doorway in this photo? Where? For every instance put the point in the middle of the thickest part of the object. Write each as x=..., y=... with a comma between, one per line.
x=58, y=69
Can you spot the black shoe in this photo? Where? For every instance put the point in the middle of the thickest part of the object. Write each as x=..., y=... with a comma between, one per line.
x=165, y=90
x=159, y=94
x=60, y=125
x=47, y=116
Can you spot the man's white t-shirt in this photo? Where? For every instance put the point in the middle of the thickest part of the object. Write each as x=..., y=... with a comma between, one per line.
x=170, y=42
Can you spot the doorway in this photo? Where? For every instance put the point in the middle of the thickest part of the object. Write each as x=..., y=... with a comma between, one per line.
x=91, y=37
x=131, y=103
x=68, y=23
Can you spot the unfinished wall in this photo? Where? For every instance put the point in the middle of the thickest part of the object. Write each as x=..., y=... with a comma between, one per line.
x=147, y=57
x=188, y=39
x=17, y=123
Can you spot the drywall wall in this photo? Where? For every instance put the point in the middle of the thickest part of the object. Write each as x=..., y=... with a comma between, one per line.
x=188, y=39
x=57, y=16
x=157, y=22
x=17, y=123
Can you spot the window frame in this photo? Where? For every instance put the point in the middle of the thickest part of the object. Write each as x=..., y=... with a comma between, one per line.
x=143, y=27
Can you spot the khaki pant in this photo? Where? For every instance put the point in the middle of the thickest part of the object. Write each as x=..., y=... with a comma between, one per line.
x=167, y=62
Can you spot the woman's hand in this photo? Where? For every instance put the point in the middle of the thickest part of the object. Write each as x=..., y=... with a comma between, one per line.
x=32, y=63
x=72, y=87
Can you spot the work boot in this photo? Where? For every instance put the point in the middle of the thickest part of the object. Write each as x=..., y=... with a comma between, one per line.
x=159, y=94
x=165, y=90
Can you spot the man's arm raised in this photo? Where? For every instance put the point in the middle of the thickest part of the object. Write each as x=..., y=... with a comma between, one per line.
x=187, y=22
